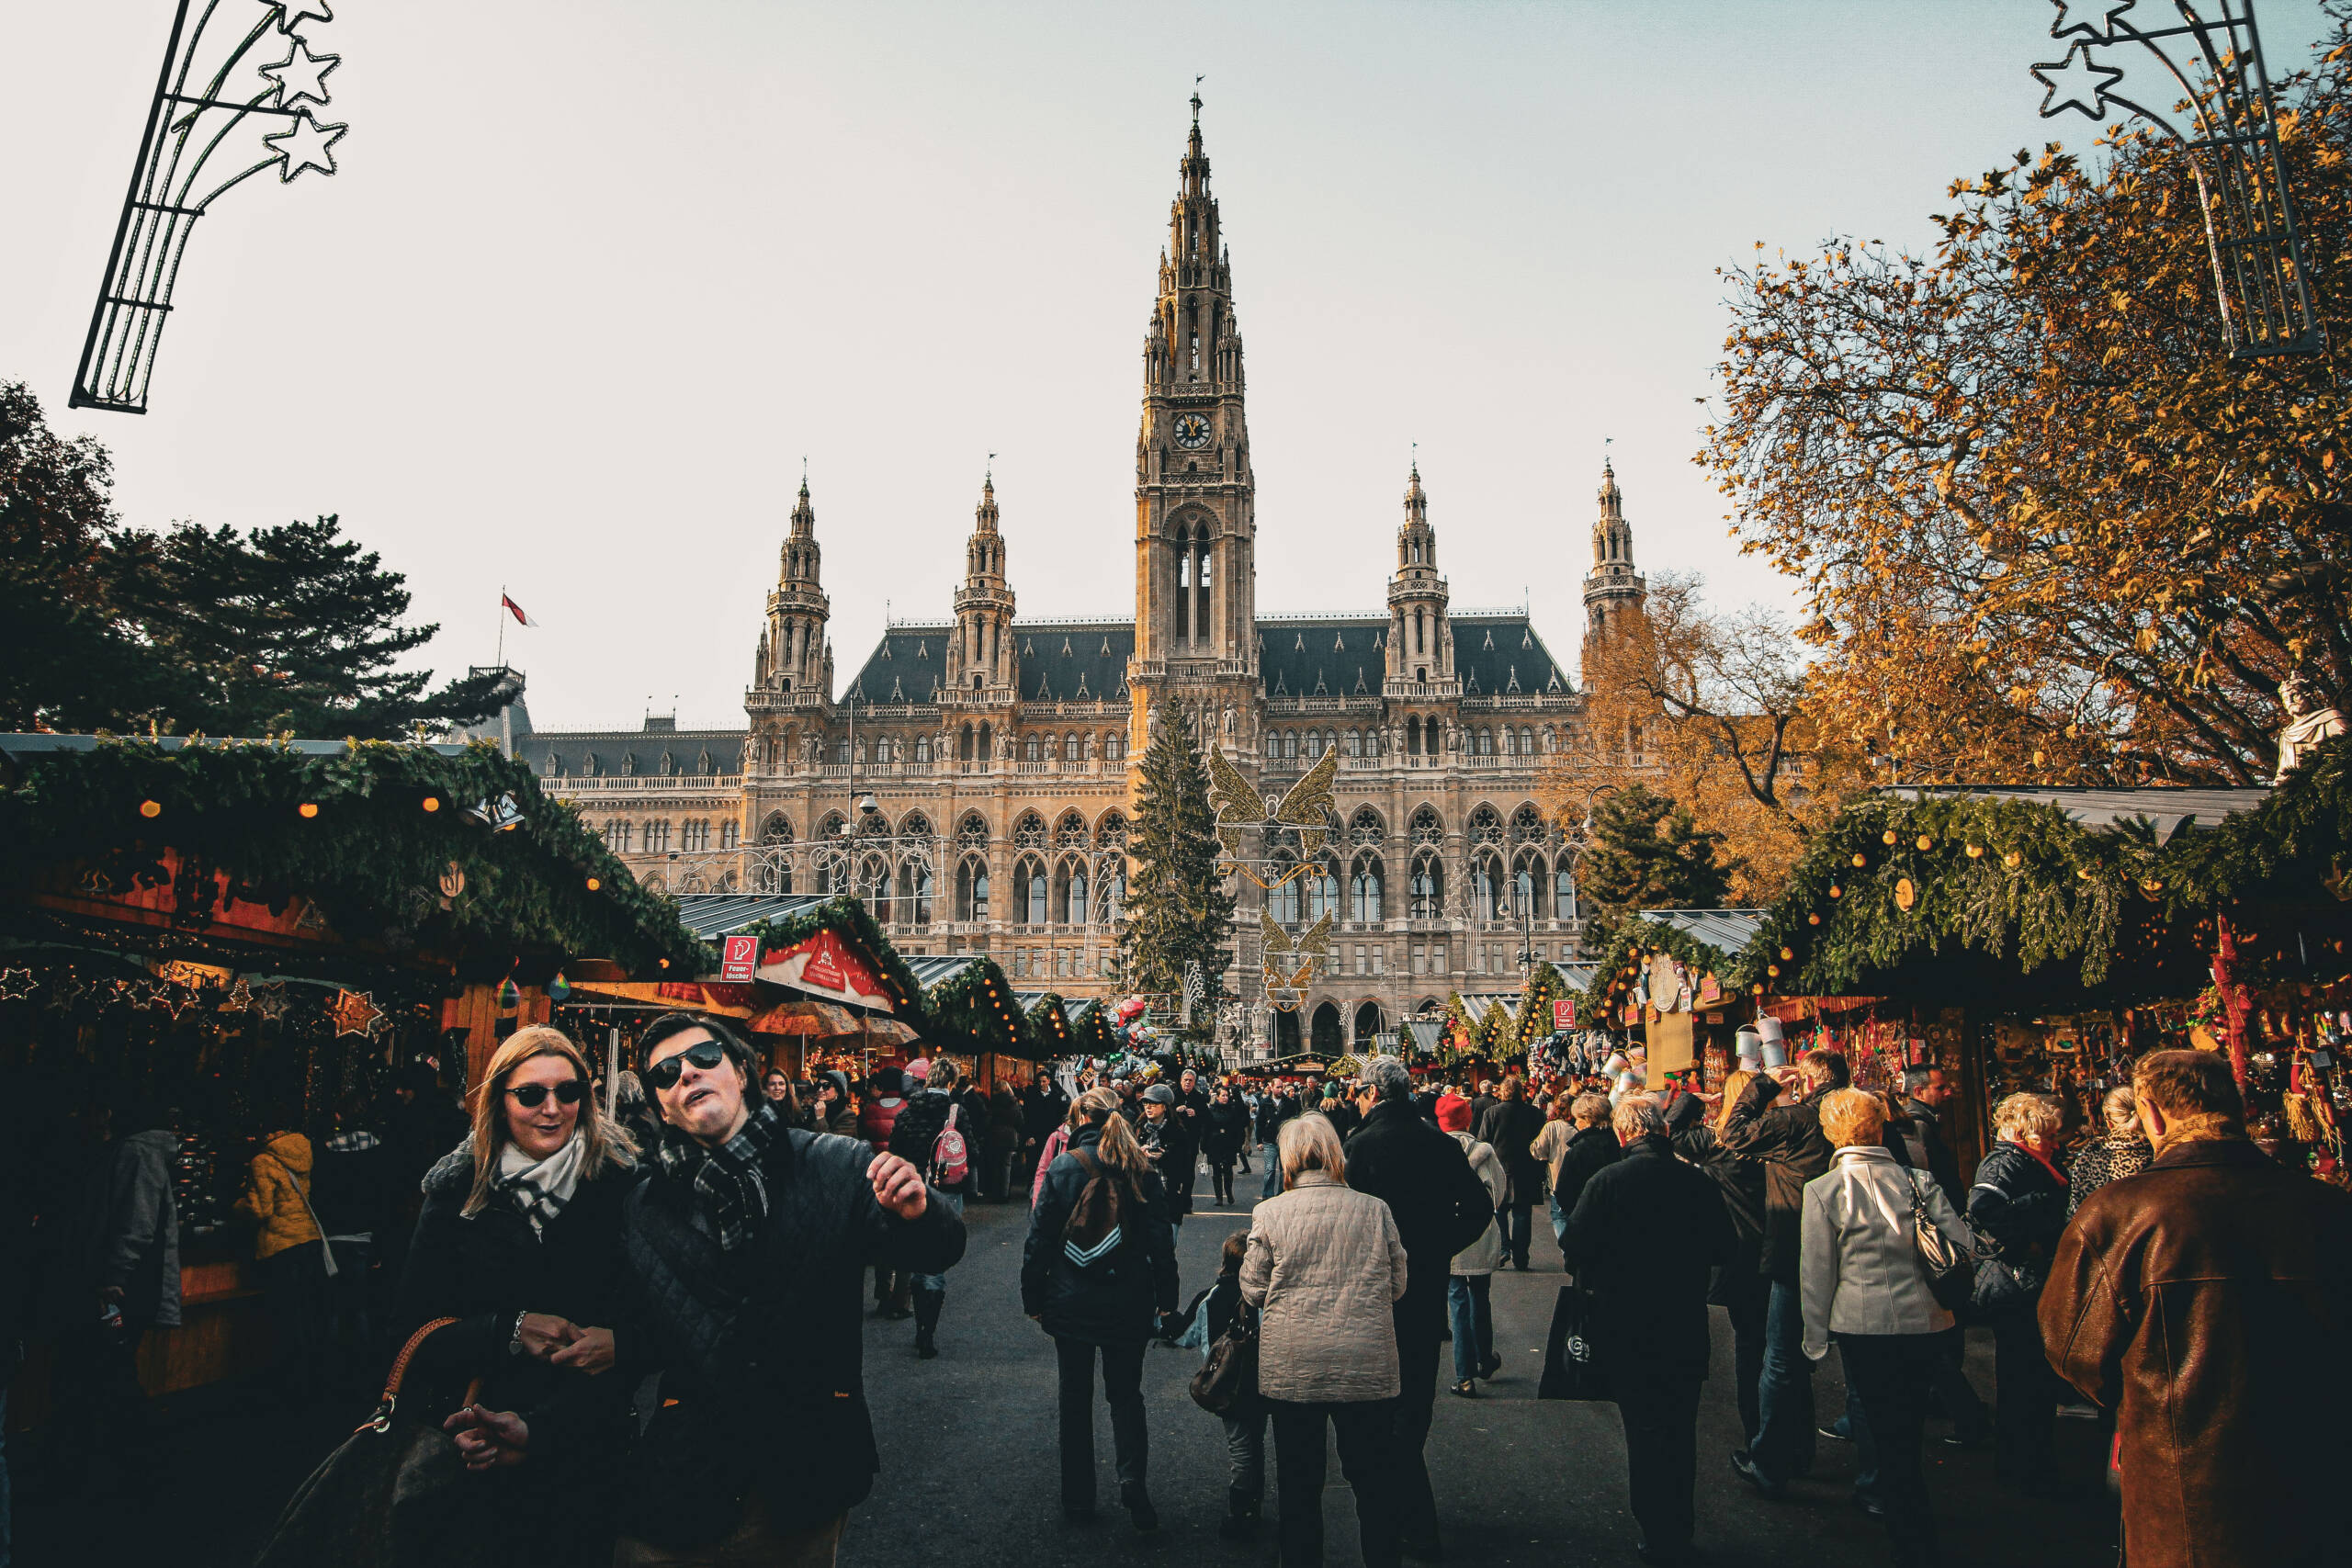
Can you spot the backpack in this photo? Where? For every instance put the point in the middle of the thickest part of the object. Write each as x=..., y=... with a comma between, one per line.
x=951, y=1161
x=1092, y=1232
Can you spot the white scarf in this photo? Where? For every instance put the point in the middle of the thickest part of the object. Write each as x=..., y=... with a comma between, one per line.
x=540, y=1188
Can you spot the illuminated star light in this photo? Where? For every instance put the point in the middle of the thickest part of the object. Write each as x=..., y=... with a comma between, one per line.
x=291, y=11
x=2078, y=82
x=305, y=145
x=301, y=74
x=2107, y=10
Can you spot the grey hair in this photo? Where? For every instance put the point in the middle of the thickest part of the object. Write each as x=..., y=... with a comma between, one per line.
x=1390, y=1076
x=1916, y=1079
x=1637, y=1116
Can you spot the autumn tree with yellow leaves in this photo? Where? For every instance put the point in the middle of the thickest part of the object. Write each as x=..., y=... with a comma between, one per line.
x=2049, y=528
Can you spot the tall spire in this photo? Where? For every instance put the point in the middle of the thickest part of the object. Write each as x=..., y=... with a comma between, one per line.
x=798, y=609
x=1421, y=637
x=1612, y=589
x=981, y=656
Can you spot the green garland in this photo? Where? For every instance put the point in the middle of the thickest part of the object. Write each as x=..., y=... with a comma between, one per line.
x=1495, y=1035
x=1633, y=940
x=974, y=1006
x=370, y=854
x=2044, y=907
x=1049, y=1027
x=1544, y=986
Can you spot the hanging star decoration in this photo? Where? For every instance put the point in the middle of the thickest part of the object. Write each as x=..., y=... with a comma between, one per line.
x=2077, y=82
x=271, y=1001
x=177, y=1001
x=291, y=13
x=301, y=74
x=239, y=997
x=355, y=1012
x=16, y=984
x=2103, y=28
x=306, y=144
x=64, y=994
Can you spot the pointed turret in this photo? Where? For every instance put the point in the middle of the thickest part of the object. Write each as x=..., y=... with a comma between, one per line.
x=1612, y=590
x=982, y=657
x=798, y=610
x=1420, y=639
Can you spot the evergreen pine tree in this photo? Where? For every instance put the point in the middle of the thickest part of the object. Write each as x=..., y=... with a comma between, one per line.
x=1177, y=910
x=1648, y=853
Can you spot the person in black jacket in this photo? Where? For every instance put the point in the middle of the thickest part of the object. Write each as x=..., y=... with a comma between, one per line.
x=746, y=1249
x=1585, y=1152
x=1512, y=1125
x=355, y=1201
x=519, y=1240
x=1441, y=1207
x=1643, y=1238
x=1229, y=1130
x=1274, y=1108
x=1108, y=1305
x=1786, y=1140
x=2018, y=1206
x=914, y=1137
x=1741, y=1290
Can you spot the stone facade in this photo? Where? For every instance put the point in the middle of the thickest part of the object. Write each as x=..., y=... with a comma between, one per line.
x=973, y=781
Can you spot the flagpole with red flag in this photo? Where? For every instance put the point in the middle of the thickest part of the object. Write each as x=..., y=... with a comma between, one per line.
x=508, y=607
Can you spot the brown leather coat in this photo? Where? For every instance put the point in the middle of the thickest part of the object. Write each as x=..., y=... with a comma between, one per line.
x=2209, y=1302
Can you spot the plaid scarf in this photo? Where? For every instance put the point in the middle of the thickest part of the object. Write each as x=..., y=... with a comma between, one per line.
x=540, y=1188
x=727, y=1181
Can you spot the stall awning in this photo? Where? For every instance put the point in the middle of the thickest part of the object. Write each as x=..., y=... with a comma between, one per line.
x=1425, y=1035
x=1726, y=930
x=713, y=915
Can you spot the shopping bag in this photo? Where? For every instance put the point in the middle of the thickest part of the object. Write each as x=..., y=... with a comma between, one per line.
x=1571, y=1364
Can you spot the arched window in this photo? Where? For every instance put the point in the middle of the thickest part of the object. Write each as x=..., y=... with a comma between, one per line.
x=1429, y=888
x=1031, y=887
x=1526, y=877
x=1283, y=902
x=1029, y=834
x=988, y=745
x=1073, y=749
x=1485, y=741
x=1363, y=891
x=840, y=752
x=1290, y=745
x=1076, y=899
x=1563, y=893
x=1322, y=897
x=1527, y=826
x=972, y=890
x=875, y=886
x=1069, y=833
x=1033, y=748
x=1114, y=747
x=1485, y=826
x=963, y=743
x=1413, y=736
x=1485, y=888
x=1527, y=741
x=972, y=833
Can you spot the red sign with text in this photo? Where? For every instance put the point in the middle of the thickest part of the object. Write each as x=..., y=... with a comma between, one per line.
x=740, y=960
x=823, y=966
x=1564, y=1012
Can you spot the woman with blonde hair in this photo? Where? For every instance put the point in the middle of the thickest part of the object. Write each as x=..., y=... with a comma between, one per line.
x=1098, y=1274
x=1861, y=1281
x=2123, y=1151
x=519, y=1240
x=1324, y=1269
x=2018, y=1204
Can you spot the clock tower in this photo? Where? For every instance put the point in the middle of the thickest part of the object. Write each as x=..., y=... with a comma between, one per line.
x=1196, y=600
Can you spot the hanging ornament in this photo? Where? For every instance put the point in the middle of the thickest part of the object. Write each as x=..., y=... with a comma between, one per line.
x=240, y=997
x=509, y=994
x=64, y=994
x=453, y=883
x=270, y=1000
x=559, y=988
x=16, y=984
x=1906, y=895
x=355, y=1012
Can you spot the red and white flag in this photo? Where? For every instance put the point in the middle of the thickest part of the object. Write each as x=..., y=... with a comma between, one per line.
x=517, y=611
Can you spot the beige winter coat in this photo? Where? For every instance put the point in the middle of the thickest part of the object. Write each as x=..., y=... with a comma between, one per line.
x=1482, y=1255
x=1324, y=1268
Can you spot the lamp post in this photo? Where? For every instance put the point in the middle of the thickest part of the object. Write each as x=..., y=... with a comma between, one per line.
x=2260, y=277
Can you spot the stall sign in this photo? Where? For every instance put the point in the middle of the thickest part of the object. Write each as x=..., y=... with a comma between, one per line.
x=823, y=966
x=1710, y=991
x=1564, y=1013
x=740, y=960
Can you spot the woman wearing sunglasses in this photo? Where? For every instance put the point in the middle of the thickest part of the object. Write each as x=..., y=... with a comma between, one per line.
x=519, y=1240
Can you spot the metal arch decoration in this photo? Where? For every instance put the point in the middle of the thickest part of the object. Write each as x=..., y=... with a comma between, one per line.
x=2260, y=278
x=213, y=85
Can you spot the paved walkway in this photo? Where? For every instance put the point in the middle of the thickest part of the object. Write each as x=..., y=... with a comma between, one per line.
x=970, y=1476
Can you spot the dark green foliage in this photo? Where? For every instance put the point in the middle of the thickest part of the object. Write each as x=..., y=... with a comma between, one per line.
x=1177, y=910
x=286, y=630
x=372, y=857
x=1648, y=853
x=1544, y=986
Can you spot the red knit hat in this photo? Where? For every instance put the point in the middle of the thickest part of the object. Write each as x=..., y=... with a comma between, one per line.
x=1453, y=1113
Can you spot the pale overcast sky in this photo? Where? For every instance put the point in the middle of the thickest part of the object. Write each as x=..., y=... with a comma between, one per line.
x=595, y=276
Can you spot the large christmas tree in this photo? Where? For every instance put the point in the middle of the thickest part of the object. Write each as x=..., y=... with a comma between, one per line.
x=1648, y=853
x=1177, y=910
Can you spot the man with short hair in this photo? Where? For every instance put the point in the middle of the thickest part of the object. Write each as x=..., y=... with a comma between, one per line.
x=1644, y=1235
x=1787, y=1139
x=745, y=1247
x=1926, y=1092
x=1576, y=1149
x=1441, y=1207
x=2205, y=1302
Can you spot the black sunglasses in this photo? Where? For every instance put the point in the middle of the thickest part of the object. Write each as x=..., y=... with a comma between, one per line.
x=663, y=1075
x=569, y=1092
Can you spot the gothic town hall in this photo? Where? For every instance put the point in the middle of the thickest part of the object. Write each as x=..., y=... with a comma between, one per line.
x=971, y=781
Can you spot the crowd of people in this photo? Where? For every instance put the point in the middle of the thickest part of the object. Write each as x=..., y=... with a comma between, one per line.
x=652, y=1289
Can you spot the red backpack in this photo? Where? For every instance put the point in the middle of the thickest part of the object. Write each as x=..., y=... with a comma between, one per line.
x=951, y=1162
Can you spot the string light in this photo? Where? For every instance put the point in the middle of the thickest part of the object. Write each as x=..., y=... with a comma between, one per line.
x=1859, y=858
x=307, y=810
x=150, y=808
x=433, y=803
x=1926, y=842
x=595, y=883
x=1887, y=839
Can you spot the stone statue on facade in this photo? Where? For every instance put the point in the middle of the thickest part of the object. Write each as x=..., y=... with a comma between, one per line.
x=2307, y=726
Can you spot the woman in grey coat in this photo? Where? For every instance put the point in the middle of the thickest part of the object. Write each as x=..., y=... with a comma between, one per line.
x=1325, y=1268
x=1861, y=1278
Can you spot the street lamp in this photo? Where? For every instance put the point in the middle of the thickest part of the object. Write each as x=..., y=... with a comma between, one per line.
x=2260, y=278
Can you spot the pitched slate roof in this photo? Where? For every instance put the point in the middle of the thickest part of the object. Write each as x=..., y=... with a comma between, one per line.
x=1306, y=655
x=691, y=753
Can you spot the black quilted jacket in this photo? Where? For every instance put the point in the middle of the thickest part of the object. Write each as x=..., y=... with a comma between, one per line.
x=763, y=1348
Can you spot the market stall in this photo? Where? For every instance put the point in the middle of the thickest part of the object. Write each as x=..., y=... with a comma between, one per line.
x=241, y=934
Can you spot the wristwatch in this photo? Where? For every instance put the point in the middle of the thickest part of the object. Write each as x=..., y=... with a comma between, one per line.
x=514, y=1340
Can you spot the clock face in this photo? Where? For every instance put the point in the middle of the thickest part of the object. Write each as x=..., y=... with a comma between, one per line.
x=1192, y=431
